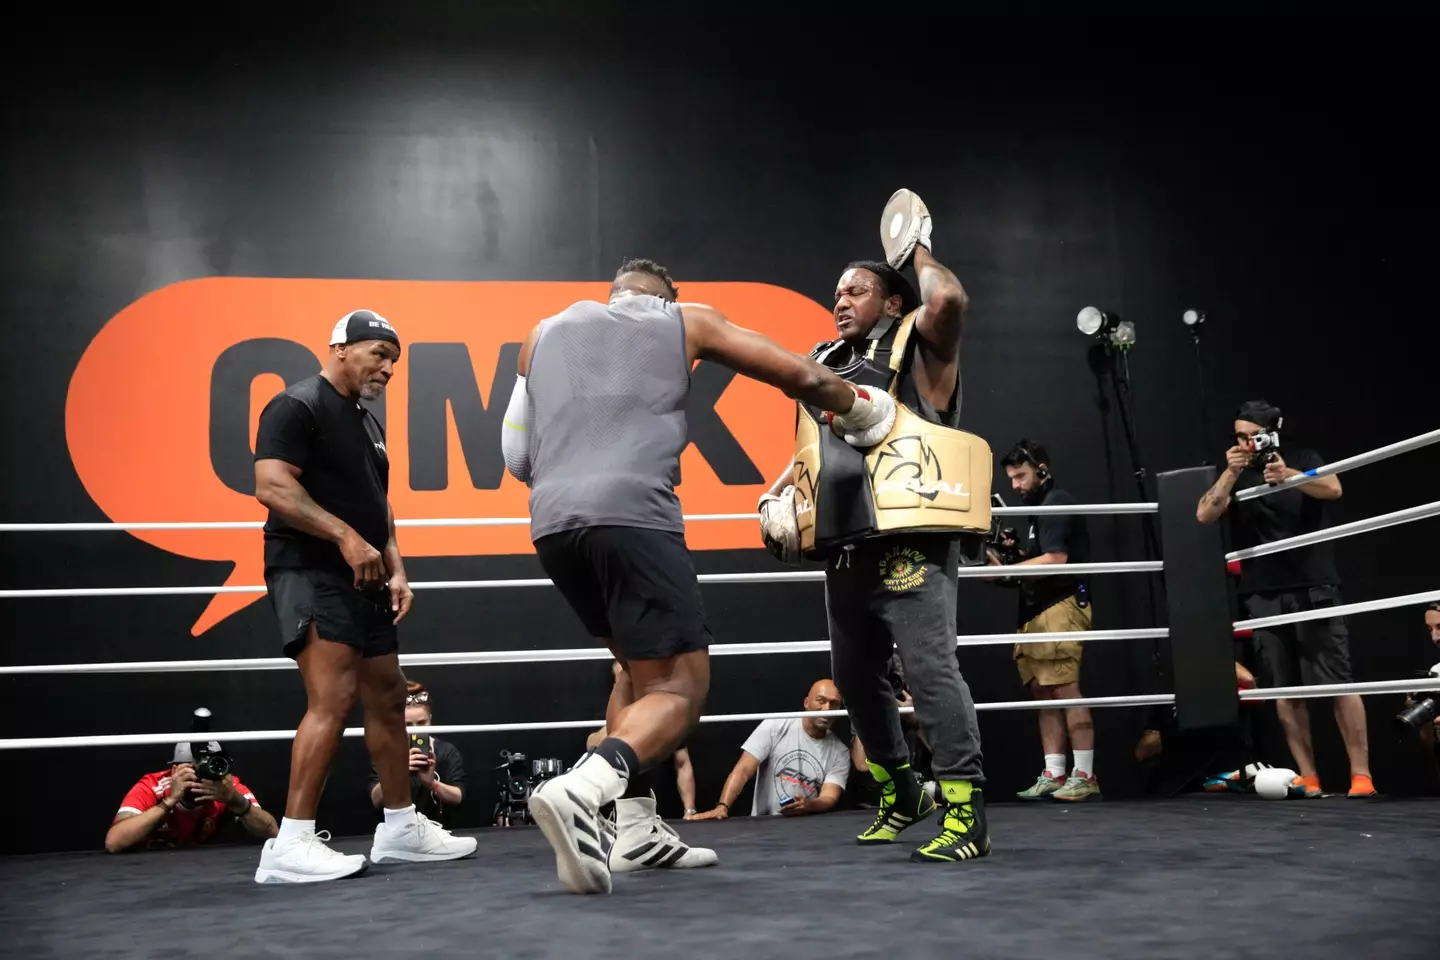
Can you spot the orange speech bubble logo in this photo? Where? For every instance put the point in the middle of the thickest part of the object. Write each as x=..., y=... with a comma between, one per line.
x=161, y=412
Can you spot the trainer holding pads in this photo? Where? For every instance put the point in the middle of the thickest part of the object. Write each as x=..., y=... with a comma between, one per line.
x=893, y=525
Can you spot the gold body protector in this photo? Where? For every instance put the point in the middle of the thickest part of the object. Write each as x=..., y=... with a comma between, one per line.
x=924, y=477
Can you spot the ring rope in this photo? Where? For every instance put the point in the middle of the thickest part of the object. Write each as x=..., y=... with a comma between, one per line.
x=1069, y=509
x=551, y=656
x=778, y=576
x=1340, y=466
x=1144, y=699
x=1334, y=533
x=1344, y=610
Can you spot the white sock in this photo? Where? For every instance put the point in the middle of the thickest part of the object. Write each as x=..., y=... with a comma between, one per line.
x=1085, y=762
x=290, y=829
x=1055, y=764
x=398, y=818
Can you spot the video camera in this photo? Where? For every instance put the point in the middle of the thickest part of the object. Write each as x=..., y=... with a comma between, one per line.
x=517, y=782
x=1423, y=706
x=997, y=540
x=1267, y=443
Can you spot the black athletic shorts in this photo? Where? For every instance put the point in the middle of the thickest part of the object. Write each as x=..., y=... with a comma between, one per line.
x=1306, y=653
x=632, y=585
x=357, y=618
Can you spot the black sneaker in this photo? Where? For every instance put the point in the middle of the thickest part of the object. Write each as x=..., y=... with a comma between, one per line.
x=963, y=834
x=890, y=819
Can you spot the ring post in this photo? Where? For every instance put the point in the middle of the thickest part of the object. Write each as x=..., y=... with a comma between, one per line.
x=1201, y=635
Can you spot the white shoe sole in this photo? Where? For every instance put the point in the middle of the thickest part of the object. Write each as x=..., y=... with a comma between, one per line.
x=381, y=855
x=577, y=872
x=263, y=875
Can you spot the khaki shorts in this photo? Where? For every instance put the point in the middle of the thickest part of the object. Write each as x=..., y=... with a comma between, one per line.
x=1053, y=664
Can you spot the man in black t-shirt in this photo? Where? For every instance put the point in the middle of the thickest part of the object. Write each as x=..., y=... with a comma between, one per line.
x=338, y=588
x=1058, y=604
x=1312, y=651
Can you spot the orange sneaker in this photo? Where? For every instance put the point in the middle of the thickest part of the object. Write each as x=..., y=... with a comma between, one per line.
x=1361, y=787
x=1307, y=787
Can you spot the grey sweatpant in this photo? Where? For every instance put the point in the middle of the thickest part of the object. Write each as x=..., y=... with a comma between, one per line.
x=898, y=593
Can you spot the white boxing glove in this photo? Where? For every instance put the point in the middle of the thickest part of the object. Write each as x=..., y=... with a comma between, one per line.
x=778, y=526
x=868, y=421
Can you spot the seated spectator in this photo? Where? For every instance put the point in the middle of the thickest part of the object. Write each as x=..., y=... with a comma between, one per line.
x=175, y=808
x=684, y=772
x=802, y=766
x=437, y=772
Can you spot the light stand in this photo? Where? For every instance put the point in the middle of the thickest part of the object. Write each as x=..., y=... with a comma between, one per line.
x=1195, y=320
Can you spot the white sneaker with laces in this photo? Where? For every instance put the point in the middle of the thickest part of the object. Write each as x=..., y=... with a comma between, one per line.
x=305, y=859
x=567, y=808
x=422, y=840
x=643, y=841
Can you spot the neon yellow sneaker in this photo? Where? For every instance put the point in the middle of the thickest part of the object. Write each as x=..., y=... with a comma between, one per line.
x=964, y=835
x=895, y=813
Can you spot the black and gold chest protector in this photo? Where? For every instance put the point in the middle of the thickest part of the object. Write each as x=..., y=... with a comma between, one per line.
x=926, y=476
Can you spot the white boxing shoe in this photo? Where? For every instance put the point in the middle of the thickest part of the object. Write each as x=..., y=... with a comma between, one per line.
x=421, y=840
x=567, y=810
x=305, y=859
x=643, y=841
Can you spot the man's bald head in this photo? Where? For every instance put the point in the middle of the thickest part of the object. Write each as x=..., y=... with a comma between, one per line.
x=824, y=695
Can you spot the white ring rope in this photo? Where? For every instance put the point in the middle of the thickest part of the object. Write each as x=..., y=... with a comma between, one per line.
x=779, y=576
x=1334, y=533
x=1144, y=699
x=1340, y=466
x=1070, y=509
x=551, y=656
x=1344, y=610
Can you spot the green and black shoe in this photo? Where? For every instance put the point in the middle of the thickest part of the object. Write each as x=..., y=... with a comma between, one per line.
x=902, y=804
x=963, y=834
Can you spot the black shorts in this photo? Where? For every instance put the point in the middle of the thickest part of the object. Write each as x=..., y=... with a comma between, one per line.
x=1306, y=653
x=357, y=618
x=632, y=586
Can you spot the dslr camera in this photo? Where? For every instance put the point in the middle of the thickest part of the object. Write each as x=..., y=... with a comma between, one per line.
x=211, y=762
x=1267, y=442
x=518, y=778
x=1423, y=706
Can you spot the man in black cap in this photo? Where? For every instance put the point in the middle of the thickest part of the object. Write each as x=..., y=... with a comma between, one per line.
x=337, y=585
x=1312, y=651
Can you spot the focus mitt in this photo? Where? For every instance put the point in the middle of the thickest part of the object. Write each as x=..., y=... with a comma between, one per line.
x=904, y=224
x=778, y=527
x=868, y=421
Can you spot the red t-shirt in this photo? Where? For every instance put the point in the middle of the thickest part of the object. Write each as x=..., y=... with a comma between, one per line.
x=183, y=827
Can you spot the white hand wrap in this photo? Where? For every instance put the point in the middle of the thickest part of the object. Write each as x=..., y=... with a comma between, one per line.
x=868, y=421
x=778, y=526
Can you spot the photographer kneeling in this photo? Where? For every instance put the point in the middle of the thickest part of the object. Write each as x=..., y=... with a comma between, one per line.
x=1422, y=710
x=437, y=772
x=186, y=805
x=1058, y=604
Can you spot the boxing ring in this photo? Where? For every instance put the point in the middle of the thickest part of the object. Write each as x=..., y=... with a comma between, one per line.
x=1208, y=862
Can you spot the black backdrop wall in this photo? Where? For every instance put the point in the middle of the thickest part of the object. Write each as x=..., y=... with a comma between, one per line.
x=1270, y=181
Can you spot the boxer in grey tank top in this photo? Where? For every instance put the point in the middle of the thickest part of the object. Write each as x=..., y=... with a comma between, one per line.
x=596, y=426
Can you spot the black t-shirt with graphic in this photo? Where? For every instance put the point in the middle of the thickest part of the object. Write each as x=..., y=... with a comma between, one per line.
x=339, y=447
x=1275, y=517
x=1050, y=533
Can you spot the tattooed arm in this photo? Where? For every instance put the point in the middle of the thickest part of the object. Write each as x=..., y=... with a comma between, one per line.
x=1216, y=501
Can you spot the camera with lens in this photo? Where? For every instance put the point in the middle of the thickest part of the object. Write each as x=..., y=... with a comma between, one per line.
x=1003, y=540
x=1267, y=443
x=1423, y=707
x=208, y=757
x=518, y=778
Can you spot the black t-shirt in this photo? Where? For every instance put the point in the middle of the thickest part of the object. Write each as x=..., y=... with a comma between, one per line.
x=1065, y=534
x=339, y=447
x=1281, y=515
x=450, y=768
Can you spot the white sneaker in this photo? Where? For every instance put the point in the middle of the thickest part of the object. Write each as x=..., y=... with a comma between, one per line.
x=644, y=841
x=422, y=840
x=566, y=808
x=305, y=859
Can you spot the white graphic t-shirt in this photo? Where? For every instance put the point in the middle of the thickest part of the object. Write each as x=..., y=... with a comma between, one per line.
x=793, y=763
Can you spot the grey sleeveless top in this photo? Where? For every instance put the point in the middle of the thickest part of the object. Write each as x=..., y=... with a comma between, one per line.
x=608, y=384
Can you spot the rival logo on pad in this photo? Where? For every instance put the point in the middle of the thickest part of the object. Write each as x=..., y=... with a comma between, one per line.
x=163, y=406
